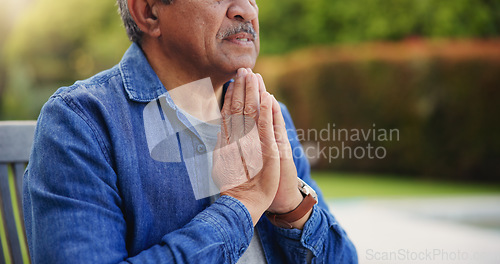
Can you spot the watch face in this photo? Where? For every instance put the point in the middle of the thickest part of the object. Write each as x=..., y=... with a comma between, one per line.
x=306, y=189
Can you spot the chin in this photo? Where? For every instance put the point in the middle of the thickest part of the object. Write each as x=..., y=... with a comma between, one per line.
x=244, y=63
x=229, y=67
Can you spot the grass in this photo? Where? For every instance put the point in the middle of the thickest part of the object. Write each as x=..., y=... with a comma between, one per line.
x=341, y=185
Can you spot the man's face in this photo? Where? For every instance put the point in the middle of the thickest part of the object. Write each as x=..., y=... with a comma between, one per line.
x=210, y=37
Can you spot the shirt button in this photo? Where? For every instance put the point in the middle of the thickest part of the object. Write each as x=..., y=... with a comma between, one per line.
x=242, y=249
x=201, y=148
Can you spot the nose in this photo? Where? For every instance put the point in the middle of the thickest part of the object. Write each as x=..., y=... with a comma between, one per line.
x=243, y=10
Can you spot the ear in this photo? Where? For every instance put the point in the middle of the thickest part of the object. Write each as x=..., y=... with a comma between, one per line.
x=145, y=15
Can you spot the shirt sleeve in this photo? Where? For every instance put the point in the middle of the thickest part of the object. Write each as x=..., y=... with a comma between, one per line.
x=322, y=236
x=73, y=210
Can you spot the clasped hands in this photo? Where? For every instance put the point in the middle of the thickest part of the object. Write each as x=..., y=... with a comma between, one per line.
x=253, y=160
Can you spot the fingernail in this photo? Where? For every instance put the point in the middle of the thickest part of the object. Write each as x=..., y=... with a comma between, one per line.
x=241, y=72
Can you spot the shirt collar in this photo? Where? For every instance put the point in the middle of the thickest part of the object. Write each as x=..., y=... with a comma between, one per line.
x=139, y=79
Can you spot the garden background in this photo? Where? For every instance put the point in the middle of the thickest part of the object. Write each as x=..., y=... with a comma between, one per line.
x=428, y=69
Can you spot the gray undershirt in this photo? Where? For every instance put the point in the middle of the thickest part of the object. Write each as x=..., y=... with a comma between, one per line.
x=208, y=134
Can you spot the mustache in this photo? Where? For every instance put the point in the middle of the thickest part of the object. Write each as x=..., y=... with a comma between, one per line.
x=241, y=27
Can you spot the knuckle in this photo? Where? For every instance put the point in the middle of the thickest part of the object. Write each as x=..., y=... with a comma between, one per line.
x=250, y=109
x=281, y=140
x=237, y=106
x=265, y=107
x=280, y=135
x=263, y=124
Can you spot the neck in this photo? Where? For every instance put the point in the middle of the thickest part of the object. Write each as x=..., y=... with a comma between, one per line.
x=193, y=90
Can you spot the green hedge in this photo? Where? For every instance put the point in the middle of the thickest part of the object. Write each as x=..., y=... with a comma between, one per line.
x=286, y=25
x=445, y=107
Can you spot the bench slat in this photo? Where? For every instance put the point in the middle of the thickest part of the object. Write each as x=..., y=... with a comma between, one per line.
x=16, y=138
x=8, y=213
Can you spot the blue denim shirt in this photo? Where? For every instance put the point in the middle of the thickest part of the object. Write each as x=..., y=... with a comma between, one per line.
x=93, y=194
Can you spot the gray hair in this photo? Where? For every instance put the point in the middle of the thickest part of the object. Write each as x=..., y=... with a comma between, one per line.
x=133, y=31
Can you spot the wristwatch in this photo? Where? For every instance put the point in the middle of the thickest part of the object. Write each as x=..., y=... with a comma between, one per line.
x=285, y=220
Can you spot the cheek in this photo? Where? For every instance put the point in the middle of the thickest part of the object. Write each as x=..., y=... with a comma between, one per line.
x=199, y=33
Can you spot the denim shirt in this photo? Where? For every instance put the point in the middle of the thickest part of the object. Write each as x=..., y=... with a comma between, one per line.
x=94, y=194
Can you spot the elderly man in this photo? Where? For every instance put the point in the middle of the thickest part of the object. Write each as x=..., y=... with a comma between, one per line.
x=176, y=155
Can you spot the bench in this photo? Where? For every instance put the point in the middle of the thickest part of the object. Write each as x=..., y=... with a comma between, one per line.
x=16, y=138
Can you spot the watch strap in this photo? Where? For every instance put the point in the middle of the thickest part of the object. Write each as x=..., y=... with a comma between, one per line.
x=285, y=220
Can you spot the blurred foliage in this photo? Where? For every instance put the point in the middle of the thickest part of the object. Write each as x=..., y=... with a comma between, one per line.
x=441, y=96
x=61, y=41
x=3, y=32
x=287, y=25
x=55, y=43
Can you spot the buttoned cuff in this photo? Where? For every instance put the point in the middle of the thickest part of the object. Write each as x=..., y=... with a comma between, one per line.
x=312, y=235
x=234, y=223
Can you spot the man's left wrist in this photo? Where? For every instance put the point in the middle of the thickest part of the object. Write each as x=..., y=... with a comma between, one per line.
x=297, y=217
x=299, y=224
x=294, y=201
